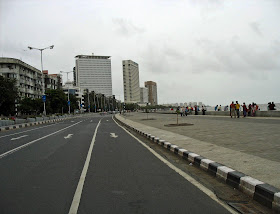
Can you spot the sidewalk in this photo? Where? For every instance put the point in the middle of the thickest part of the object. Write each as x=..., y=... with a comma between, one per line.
x=256, y=155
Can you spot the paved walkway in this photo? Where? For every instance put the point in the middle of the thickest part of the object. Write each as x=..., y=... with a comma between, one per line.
x=249, y=145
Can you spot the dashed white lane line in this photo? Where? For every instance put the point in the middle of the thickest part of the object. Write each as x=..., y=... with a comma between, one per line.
x=77, y=197
x=28, y=144
x=182, y=173
x=16, y=138
x=26, y=131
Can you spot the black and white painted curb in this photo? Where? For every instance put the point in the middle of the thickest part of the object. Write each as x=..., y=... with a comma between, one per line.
x=29, y=124
x=263, y=193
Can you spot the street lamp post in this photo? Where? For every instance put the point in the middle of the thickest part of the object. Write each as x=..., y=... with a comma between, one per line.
x=68, y=102
x=43, y=81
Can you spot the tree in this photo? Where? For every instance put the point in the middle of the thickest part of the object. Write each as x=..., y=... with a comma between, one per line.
x=8, y=96
x=131, y=106
x=73, y=102
x=56, y=101
x=30, y=106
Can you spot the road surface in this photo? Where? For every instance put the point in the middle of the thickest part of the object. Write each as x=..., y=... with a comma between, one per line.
x=90, y=165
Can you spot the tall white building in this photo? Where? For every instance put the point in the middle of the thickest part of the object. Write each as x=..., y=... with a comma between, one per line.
x=144, y=95
x=131, y=81
x=94, y=73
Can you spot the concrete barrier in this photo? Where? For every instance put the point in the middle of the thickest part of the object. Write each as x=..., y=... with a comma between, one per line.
x=226, y=113
x=20, y=121
x=6, y=122
x=31, y=119
x=39, y=119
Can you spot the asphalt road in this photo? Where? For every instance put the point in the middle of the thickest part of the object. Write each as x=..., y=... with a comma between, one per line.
x=41, y=169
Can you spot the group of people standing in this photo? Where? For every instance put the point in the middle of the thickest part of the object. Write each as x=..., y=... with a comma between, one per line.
x=247, y=111
x=184, y=111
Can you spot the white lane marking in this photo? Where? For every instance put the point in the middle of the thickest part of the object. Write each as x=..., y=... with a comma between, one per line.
x=113, y=135
x=183, y=174
x=77, y=197
x=91, y=121
x=31, y=142
x=26, y=131
x=72, y=121
x=16, y=138
x=68, y=136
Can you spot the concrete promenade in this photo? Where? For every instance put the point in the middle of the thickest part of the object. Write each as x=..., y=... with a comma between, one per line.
x=249, y=145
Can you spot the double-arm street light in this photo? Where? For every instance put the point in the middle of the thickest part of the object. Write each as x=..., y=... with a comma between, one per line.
x=41, y=49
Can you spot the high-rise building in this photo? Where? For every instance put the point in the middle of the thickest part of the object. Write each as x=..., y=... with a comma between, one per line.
x=152, y=92
x=144, y=95
x=94, y=73
x=131, y=81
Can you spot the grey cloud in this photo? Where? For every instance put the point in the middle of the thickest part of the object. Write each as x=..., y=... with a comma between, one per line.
x=234, y=57
x=127, y=28
x=256, y=28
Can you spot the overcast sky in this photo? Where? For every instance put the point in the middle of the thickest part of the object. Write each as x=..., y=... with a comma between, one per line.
x=212, y=51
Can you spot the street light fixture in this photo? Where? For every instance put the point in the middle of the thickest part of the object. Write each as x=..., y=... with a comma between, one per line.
x=43, y=81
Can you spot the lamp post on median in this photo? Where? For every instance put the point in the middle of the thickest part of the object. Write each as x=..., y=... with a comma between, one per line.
x=68, y=102
x=43, y=81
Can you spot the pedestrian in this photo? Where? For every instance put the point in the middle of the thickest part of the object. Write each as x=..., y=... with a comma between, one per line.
x=249, y=110
x=216, y=107
x=253, y=109
x=186, y=111
x=226, y=108
x=203, y=110
x=271, y=106
x=244, y=110
x=195, y=110
x=181, y=111
x=232, y=110
x=237, y=108
x=220, y=108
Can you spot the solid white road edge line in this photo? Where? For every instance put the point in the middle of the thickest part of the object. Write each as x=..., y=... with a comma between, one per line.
x=183, y=174
x=77, y=197
x=26, y=131
x=27, y=144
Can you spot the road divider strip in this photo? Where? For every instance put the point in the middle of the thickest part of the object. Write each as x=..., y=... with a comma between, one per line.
x=263, y=193
x=31, y=142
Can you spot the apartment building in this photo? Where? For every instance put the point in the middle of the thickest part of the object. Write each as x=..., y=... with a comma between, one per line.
x=131, y=81
x=29, y=79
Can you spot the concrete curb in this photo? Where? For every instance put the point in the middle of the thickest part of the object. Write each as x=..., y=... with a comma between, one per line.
x=6, y=128
x=265, y=194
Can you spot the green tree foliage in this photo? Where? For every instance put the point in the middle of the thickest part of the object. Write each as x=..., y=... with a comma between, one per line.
x=55, y=101
x=73, y=103
x=8, y=96
x=131, y=106
x=30, y=106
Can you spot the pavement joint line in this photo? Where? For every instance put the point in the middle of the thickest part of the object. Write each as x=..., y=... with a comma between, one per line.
x=31, y=142
x=263, y=193
x=179, y=171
